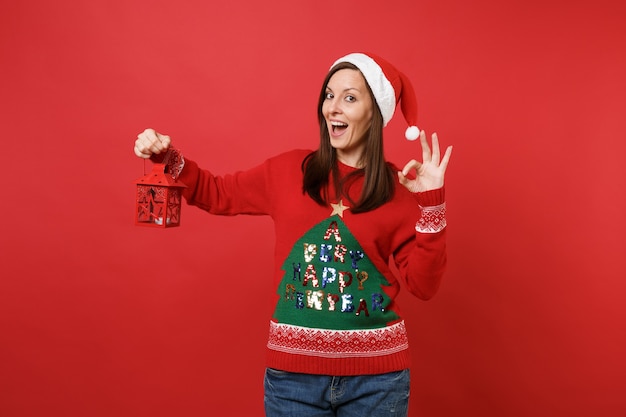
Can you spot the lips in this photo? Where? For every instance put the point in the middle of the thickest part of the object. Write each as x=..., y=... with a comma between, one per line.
x=338, y=128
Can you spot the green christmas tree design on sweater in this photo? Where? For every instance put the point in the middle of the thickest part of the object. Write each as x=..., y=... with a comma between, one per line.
x=329, y=282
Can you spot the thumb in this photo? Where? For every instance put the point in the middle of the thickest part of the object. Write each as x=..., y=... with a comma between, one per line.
x=402, y=178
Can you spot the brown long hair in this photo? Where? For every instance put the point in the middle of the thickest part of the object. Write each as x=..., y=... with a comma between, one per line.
x=321, y=165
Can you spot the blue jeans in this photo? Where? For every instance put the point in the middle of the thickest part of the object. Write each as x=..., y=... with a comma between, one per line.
x=301, y=395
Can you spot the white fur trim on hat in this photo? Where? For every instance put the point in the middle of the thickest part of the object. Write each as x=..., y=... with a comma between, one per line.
x=379, y=84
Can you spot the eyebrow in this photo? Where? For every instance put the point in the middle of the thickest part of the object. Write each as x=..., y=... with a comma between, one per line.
x=345, y=89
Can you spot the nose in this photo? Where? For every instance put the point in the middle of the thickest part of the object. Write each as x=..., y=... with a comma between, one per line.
x=333, y=105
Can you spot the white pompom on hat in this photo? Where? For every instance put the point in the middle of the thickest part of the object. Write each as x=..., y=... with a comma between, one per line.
x=389, y=87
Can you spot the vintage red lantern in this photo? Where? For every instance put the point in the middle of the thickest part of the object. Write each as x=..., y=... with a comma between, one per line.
x=159, y=199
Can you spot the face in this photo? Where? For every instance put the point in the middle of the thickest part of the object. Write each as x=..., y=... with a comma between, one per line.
x=348, y=110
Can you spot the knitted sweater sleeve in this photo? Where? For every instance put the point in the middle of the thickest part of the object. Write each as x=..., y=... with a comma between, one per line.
x=243, y=192
x=422, y=261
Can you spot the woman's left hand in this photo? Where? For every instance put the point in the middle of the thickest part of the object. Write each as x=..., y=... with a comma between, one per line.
x=430, y=172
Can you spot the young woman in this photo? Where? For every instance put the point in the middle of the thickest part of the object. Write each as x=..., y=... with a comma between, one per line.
x=337, y=342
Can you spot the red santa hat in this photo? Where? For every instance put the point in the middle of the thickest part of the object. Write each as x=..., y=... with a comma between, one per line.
x=389, y=87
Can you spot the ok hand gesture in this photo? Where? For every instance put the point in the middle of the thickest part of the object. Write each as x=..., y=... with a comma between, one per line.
x=430, y=172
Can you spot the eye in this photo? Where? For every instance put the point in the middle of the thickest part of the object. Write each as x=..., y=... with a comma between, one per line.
x=350, y=99
x=329, y=95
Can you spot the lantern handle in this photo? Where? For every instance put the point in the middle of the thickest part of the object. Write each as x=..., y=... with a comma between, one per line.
x=165, y=161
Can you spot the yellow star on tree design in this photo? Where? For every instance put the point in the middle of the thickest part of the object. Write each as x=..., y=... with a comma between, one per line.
x=339, y=208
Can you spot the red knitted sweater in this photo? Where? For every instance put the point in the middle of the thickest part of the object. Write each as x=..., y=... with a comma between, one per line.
x=335, y=312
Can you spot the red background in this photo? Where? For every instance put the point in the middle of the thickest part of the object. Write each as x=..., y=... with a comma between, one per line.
x=102, y=318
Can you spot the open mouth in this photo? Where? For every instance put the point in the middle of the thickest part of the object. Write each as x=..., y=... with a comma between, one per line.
x=338, y=127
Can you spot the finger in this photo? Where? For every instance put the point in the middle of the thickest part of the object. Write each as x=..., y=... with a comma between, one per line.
x=446, y=158
x=436, y=152
x=140, y=153
x=150, y=141
x=412, y=164
x=425, y=148
x=148, y=135
x=160, y=143
x=407, y=183
x=165, y=140
x=142, y=147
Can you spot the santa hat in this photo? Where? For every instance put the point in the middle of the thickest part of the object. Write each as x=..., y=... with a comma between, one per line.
x=389, y=87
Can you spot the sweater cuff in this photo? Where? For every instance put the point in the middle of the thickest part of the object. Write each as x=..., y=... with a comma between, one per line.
x=433, y=211
x=173, y=160
x=432, y=197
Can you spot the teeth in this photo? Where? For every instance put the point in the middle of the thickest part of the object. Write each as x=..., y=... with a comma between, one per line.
x=339, y=124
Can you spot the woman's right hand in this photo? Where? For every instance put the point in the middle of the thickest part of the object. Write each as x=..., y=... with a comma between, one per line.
x=150, y=142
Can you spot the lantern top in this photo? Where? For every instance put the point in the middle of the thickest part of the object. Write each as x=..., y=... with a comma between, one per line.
x=159, y=177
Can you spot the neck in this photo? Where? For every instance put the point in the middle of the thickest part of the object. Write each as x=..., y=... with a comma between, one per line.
x=350, y=160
